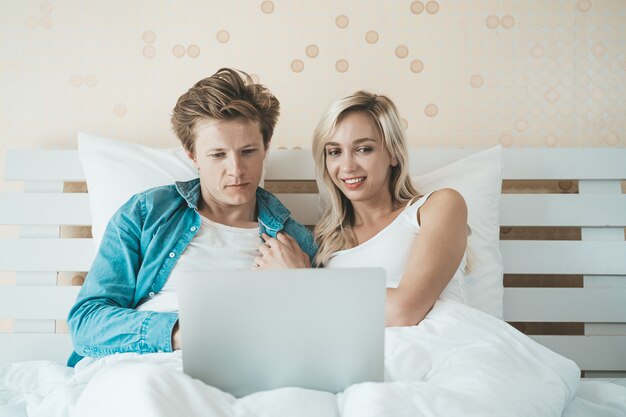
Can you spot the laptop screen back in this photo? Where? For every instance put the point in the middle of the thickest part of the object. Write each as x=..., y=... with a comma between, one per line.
x=249, y=331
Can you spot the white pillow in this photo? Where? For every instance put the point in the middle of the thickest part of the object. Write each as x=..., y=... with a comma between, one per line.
x=116, y=170
x=478, y=178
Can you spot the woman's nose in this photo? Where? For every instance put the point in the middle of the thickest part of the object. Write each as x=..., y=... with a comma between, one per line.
x=348, y=163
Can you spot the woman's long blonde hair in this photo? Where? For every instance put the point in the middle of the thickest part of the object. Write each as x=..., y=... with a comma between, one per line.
x=334, y=230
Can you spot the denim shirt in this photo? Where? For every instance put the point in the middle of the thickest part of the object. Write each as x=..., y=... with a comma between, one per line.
x=141, y=244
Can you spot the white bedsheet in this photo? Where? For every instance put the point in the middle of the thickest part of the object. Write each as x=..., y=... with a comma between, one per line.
x=457, y=362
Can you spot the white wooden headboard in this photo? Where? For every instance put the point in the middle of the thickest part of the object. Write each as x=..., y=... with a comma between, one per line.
x=34, y=309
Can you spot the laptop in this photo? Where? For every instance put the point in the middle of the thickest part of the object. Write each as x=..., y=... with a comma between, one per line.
x=250, y=331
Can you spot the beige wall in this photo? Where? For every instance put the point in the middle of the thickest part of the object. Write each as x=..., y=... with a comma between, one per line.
x=463, y=73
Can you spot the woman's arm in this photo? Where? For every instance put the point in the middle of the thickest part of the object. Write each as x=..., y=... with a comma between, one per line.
x=435, y=256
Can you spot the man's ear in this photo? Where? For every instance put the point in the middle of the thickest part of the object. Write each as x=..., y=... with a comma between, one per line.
x=267, y=152
x=267, y=157
x=192, y=158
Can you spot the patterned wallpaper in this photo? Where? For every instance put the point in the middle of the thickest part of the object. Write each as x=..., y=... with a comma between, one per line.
x=523, y=73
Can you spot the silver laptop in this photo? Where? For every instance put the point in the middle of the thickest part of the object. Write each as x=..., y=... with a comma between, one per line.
x=250, y=331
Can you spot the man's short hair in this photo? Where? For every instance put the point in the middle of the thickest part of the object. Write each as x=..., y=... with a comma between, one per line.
x=228, y=94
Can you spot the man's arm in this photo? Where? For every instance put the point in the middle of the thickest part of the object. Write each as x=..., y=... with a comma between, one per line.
x=103, y=320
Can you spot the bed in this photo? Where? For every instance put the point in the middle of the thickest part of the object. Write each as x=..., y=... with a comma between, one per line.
x=560, y=218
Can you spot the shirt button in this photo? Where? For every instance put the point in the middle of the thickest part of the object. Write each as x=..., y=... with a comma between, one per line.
x=172, y=254
x=193, y=229
x=151, y=294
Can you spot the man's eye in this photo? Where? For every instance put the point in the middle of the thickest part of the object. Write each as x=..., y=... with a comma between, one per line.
x=217, y=155
x=249, y=151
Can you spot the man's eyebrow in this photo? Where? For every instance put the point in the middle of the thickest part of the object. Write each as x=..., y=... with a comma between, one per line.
x=222, y=149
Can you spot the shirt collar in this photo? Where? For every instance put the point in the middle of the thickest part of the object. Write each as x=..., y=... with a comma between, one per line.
x=272, y=213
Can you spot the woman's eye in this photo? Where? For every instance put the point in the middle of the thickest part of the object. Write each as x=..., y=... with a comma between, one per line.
x=332, y=152
x=364, y=149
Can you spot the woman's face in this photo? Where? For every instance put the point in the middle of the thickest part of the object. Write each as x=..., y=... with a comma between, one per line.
x=356, y=159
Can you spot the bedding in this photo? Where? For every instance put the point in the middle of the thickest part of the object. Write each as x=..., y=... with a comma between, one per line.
x=116, y=170
x=457, y=361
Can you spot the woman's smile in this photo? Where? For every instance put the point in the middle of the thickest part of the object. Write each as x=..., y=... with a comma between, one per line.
x=353, y=182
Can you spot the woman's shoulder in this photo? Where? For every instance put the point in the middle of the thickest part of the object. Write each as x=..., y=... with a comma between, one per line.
x=442, y=203
x=445, y=196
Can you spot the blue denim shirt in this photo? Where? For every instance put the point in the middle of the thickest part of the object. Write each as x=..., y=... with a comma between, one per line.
x=139, y=249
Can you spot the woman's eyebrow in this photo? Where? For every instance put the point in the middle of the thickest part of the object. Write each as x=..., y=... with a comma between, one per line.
x=357, y=141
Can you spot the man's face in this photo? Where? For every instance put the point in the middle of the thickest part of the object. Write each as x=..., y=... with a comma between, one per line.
x=229, y=155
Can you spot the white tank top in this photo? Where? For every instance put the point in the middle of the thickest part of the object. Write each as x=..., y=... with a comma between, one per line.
x=216, y=247
x=390, y=249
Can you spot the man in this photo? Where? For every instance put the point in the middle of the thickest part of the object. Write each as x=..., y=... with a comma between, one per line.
x=219, y=221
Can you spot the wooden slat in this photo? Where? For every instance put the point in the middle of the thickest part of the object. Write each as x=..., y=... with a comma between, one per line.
x=593, y=353
x=564, y=257
x=43, y=165
x=600, y=305
x=532, y=257
x=596, y=210
x=543, y=281
x=34, y=326
x=26, y=347
x=570, y=163
x=46, y=254
x=543, y=210
x=74, y=210
x=540, y=164
x=549, y=328
x=44, y=302
x=547, y=210
x=538, y=233
x=45, y=209
x=580, y=163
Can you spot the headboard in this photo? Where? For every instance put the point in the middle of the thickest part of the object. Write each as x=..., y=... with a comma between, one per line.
x=562, y=217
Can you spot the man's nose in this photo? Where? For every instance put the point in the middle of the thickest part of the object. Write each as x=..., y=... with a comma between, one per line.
x=235, y=166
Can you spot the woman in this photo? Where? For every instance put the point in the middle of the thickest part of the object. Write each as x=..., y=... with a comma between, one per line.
x=374, y=216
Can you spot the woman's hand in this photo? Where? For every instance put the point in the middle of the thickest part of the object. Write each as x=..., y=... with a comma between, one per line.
x=282, y=252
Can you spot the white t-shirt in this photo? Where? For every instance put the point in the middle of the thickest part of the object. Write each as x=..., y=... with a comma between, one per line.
x=390, y=249
x=216, y=247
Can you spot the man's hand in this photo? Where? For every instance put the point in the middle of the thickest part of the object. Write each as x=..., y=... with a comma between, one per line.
x=283, y=252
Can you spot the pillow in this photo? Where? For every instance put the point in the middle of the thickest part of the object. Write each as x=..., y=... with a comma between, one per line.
x=116, y=170
x=478, y=178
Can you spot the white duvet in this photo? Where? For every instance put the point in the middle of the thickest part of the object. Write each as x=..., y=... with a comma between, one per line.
x=457, y=362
